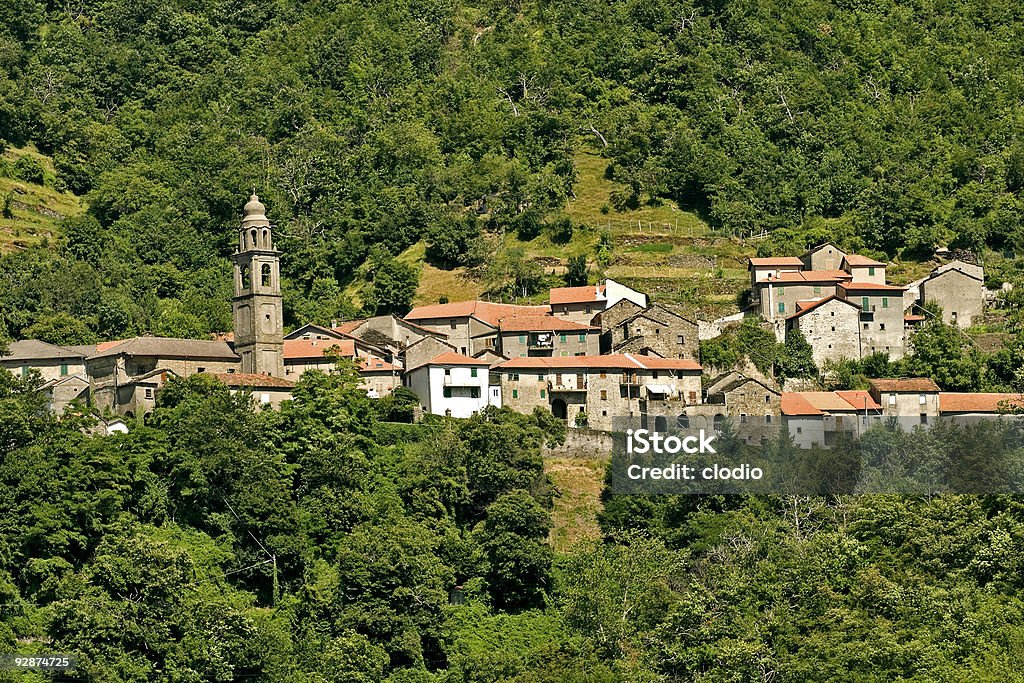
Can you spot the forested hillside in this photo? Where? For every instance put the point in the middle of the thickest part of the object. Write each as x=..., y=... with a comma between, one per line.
x=372, y=127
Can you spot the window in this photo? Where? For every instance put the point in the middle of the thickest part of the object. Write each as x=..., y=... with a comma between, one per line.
x=767, y=398
x=514, y=376
x=474, y=392
x=799, y=430
x=892, y=399
x=864, y=303
x=768, y=419
x=522, y=339
x=543, y=393
x=922, y=399
x=265, y=275
x=604, y=394
x=149, y=392
x=885, y=302
x=817, y=289
x=865, y=326
x=561, y=338
x=63, y=369
x=603, y=374
x=654, y=374
x=583, y=337
x=657, y=330
x=472, y=372
x=463, y=351
x=452, y=324
x=515, y=393
x=871, y=270
x=588, y=309
x=881, y=326
x=447, y=372
x=540, y=376
x=447, y=392
x=743, y=417
x=24, y=371
x=200, y=369
x=782, y=307
x=924, y=418
x=680, y=339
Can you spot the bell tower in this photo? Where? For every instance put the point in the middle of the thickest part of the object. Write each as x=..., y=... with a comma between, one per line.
x=256, y=305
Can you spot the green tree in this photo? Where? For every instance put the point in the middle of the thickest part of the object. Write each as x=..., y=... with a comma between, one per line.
x=392, y=284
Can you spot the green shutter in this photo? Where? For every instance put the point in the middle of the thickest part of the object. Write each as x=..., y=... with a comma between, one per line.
x=864, y=303
x=782, y=307
x=871, y=270
x=885, y=302
x=583, y=337
x=472, y=372
x=543, y=393
x=515, y=393
x=561, y=338
x=522, y=339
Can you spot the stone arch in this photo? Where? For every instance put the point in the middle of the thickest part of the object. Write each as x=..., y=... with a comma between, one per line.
x=683, y=421
x=559, y=409
x=660, y=423
x=265, y=275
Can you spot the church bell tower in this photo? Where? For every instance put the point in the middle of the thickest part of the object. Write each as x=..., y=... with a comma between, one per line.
x=256, y=305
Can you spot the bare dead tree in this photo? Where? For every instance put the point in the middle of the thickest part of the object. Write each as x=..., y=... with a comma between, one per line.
x=515, y=109
x=683, y=22
x=785, y=104
x=600, y=137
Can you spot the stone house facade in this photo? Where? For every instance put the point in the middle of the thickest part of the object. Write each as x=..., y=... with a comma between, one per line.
x=831, y=326
x=656, y=330
x=961, y=295
x=881, y=317
x=600, y=387
x=470, y=326
x=545, y=335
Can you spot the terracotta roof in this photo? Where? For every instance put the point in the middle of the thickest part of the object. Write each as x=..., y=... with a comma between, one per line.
x=858, y=260
x=775, y=261
x=795, y=404
x=167, y=347
x=810, y=276
x=452, y=358
x=295, y=349
x=33, y=349
x=348, y=326
x=242, y=379
x=827, y=401
x=860, y=399
x=577, y=295
x=376, y=365
x=486, y=311
x=911, y=385
x=913, y=318
x=868, y=286
x=655, y=363
x=543, y=323
x=952, y=402
x=104, y=345
x=811, y=305
x=615, y=361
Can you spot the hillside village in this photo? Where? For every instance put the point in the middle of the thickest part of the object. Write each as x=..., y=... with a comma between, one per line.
x=588, y=355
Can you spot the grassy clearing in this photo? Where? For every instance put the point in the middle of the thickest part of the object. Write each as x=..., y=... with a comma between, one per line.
x=36, y=210
x=574, y=518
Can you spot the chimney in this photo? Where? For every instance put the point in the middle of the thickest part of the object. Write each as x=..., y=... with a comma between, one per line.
x=334, y=323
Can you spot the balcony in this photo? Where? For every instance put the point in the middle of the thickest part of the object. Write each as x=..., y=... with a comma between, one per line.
x=545, y=343
x=555, y=388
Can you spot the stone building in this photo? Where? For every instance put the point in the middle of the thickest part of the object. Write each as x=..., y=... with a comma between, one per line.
x=881, y=316
x=581, y=304
x=51, y=361
x=124, y=376
x=419, y=352
x=911, y=401
x=775, y=298
x=864, y=269
x=831, y=326
x=63, y=391
x=257, y=308
x=470, y=326
x=264, y=389
x=960, y=293
x=379, y=377
x=545, y=335
x=599, y=387
x=765, y=268
x=825, y=256
x=615, y=314
x=654, y=331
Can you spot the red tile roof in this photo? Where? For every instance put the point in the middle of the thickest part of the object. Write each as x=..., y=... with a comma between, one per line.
x=952, y=402
x=486, y=311
x=775, y=261
x=453, y=358
x=542, y=323
x=913, y=318
x=368, y=365
x=811, y=305
x=868, y=286
x=858, y=260
x=827, y=401
x=794, y=403
x=831, y=276
x=240, y=379
x=610, y=361
x=860, y=399
x=576, y=295
x=296, y=349
x=913, y=385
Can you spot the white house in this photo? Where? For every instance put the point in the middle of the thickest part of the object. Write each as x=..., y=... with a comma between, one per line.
x=451, y=384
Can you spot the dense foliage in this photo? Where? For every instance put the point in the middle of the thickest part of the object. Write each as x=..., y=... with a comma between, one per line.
x=890, y=127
